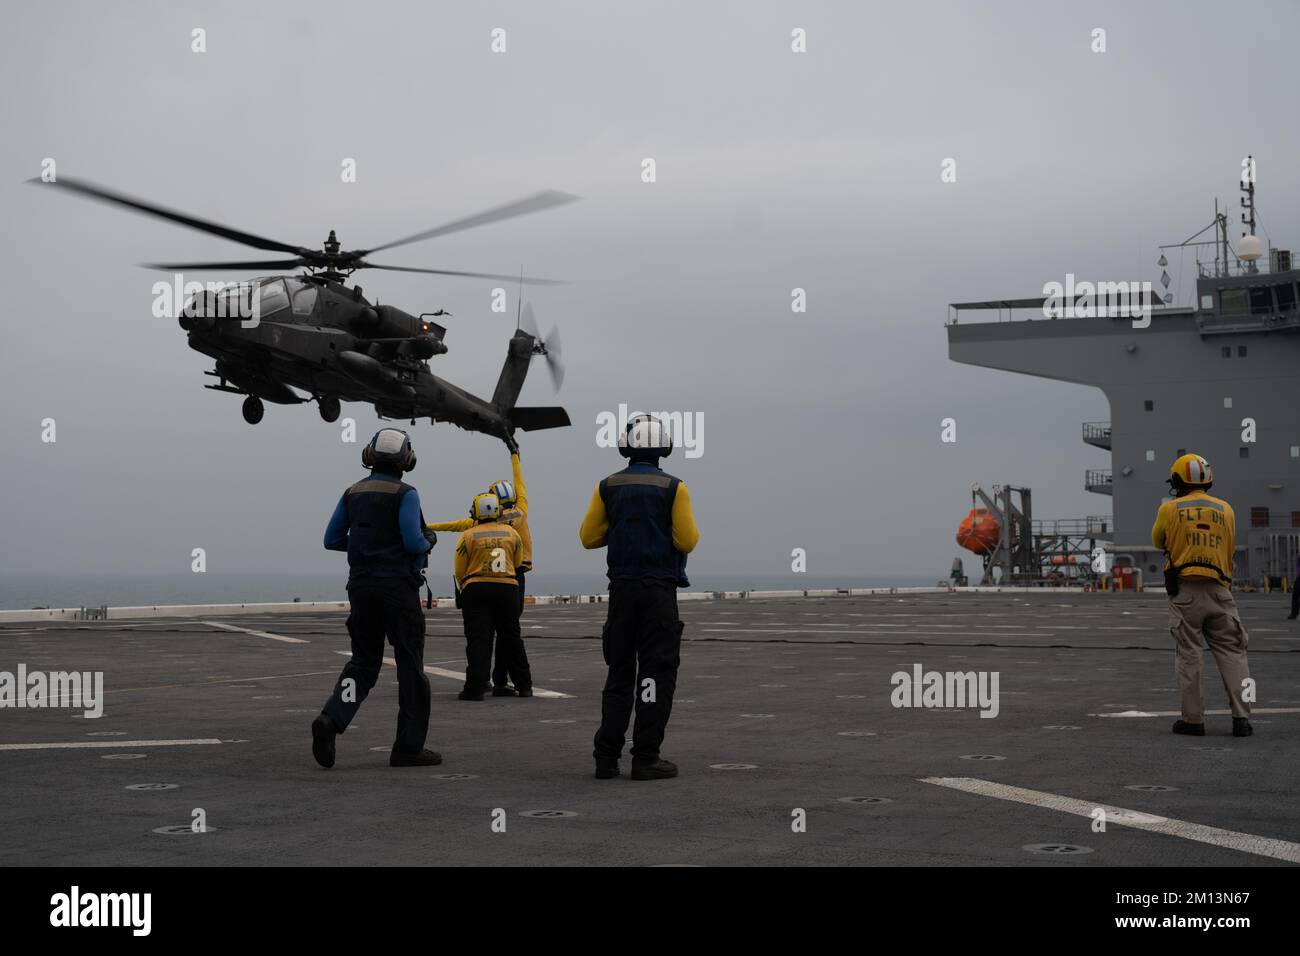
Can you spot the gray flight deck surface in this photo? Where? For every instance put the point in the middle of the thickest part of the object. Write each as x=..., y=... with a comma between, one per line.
x=798, y=688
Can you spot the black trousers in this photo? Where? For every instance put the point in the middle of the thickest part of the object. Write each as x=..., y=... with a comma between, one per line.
x=501, y=669
x=1295, y=599
x=642, y=643
x=492, y=610
x=385, y=607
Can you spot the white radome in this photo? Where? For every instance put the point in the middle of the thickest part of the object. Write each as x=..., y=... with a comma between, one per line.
x=1250, y=248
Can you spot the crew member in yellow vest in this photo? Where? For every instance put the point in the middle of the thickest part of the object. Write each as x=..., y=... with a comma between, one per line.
x=486, y=558
x=1198, y=534
x=514, y=511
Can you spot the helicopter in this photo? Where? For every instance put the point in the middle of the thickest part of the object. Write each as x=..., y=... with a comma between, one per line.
x=312, y=332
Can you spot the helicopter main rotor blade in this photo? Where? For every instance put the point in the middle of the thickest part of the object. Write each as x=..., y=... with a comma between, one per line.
x=520, y=207
x=527, y=280
x=102, y=194
x=272, y=264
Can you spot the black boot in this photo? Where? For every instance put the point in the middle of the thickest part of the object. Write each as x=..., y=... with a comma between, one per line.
x=323, y=733
x=470, y=694
x=653, y=769
x=1192, y=730
x=425, y=758
x=1241, y=727
x=504, y=690
x=606, y=768
x=524, y=691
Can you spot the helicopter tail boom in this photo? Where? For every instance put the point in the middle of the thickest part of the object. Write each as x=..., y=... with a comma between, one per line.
x=518, y=357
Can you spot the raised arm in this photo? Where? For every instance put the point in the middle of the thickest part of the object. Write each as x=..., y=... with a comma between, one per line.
x=520, y=491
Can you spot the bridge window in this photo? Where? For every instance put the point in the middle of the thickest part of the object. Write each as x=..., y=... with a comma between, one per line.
x=1241, y=351
x=1149, y=405
x=1232, y=301
x=1261, y=300
x=1243, y=451
x=1285, y=297
x=1226, y=351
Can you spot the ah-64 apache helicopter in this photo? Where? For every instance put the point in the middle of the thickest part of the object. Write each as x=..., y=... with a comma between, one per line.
x=313, y=332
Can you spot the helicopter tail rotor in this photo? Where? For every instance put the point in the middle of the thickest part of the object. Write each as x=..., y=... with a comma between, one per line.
x=548, y=347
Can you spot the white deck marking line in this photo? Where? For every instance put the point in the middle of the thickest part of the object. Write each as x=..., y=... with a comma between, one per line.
x=244, y=630
x=460, y=676
x=1228, y=839
x=1212, y=713
x=109, y=744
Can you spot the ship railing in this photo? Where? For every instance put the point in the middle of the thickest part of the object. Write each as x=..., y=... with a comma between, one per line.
x=1098, y=479
x=1095, y=526
x=1237, y=267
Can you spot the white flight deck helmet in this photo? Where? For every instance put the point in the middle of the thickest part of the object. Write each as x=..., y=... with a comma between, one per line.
x=389, y=446
x=646, y=437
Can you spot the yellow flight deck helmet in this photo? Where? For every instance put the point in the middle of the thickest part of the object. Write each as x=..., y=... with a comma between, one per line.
x=486, y=507
x=1193, y=471
x=505, y=492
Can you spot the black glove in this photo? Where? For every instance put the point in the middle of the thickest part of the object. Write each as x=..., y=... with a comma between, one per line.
x=511, y=444
x=430, y=536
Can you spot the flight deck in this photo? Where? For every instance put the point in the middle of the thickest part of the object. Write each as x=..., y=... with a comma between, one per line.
x=785, y=728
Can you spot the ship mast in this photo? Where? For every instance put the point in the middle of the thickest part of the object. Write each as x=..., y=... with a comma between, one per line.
x=1248, y=203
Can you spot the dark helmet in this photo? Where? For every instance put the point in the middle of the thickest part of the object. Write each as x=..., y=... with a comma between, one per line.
x=391, y=447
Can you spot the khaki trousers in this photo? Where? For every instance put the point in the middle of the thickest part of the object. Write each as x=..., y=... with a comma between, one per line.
x=1204, y=608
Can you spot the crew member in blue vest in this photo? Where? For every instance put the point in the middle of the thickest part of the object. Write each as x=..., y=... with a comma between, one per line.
x=643, y=515
x=379, y=524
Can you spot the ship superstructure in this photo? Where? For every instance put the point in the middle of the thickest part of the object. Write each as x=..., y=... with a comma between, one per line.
x=1220, y=378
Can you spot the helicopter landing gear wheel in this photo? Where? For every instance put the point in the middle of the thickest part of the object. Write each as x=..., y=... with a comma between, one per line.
x=329, y=407
x=253, y=409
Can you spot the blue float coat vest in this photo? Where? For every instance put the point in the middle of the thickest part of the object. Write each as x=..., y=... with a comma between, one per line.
x=639, y=503
x=375, y=547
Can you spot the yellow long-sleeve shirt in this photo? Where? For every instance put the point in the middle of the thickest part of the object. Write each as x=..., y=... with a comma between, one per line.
x=516, y=516
x=488, y=553
x=1197, y=527
x=595, y=526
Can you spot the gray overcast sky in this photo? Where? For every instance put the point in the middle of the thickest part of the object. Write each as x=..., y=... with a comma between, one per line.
x=775, y=170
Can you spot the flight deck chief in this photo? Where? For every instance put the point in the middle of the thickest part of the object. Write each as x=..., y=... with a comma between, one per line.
x=1198, y=532
x=644, y=517
x=379, y=524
